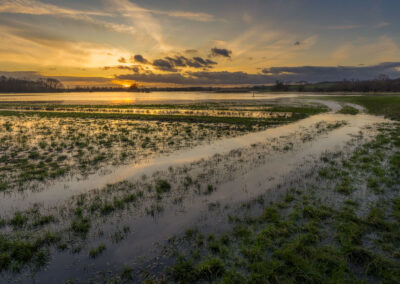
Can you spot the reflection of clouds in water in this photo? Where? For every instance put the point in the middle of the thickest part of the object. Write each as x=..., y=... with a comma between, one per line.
x=140, y=98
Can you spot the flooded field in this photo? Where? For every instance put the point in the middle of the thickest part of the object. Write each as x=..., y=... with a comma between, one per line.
x=135, y=98
x=207, y=191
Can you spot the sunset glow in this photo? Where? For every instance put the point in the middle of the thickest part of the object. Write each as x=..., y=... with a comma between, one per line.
x=102, y=42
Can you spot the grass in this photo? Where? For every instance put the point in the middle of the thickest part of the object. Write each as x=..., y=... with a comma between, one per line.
x=300, y=239
x=308, y=239
x=95, y=252
x=248, y=122
x=348, y=110
x=51, y=148
x=387, y=105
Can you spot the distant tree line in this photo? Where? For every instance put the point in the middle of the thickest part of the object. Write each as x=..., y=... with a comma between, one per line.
x=29, y=86
x=380, y=84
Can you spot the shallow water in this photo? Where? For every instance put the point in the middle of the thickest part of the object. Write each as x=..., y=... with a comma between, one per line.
x=139, y=98
x=58, y=191
x=146, y=230
x=245, y=186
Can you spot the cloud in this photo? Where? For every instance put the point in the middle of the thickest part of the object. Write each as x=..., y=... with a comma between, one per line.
x=197, y=78
x=345, y=27
x=200, y=78
x=81, y=79
x=139, y=58
x=187, y=15
x=191, y=51
x=220, y=52
x=122, y=60
x=143, y=21
x=382, y=24
x=270, y=75
x=31, y=7
x=200, y=17
x=173, y=64
x=380, y=49
x=164, y=65
x=203, y=62
x=320, y=73
x=34, y=47
x=133, y=68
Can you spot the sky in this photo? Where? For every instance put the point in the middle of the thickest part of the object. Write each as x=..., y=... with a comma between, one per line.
x=199, y=42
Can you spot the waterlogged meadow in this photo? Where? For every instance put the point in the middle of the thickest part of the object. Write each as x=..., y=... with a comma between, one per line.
x=45, y=143
x=338, y=223
x=36, y=149
x=212, y=192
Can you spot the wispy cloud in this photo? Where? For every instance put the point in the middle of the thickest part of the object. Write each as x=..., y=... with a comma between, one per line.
x=382, y=24
x=345, y=27
x=42, y=49
x=143, y=21
x=192, y=16
x=383, y=48
x=32, y=7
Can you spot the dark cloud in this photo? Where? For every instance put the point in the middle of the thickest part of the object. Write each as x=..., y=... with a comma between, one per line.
x=134, y=68
x=122, y=60
x=199, y=78
x=178, y=61
x=139, y=58
x=338, y=73
x=270, y=75
x=204, y=62
x=220, y=52
x=164, y=65
x=172, y=64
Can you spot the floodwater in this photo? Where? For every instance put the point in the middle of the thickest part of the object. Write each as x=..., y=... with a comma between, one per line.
x=247, y=183
x=148, y=231
x=58, y=191
x=139, y=98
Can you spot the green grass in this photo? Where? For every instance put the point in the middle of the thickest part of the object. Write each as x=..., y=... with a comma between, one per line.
x=387, y=105
x=249, y=122
x=304, y=238
x=348, y=110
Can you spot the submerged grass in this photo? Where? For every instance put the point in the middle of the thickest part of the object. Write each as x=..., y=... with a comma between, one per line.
x=307, y=239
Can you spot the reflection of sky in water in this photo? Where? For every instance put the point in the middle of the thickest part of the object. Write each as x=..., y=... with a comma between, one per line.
x=136, y=98
x=162, y=111
x=64, y=189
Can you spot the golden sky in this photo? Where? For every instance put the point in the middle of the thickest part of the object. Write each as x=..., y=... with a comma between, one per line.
x=189, y=42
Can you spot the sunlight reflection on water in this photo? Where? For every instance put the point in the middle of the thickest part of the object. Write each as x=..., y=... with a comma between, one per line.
x=136, y=98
